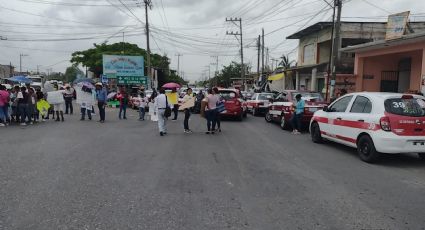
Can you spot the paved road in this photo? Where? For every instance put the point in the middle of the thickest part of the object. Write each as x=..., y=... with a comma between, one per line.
x=122, y=175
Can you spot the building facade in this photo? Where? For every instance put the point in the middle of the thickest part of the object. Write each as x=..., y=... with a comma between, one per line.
x=6, y=71
x=314, y=52
x=396, y=65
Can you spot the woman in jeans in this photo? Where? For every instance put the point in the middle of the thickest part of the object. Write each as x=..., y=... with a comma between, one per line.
x=187, y=98
x=211, y=111
x=218, y=115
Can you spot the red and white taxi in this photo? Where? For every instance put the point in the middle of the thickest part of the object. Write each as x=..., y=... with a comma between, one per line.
x=234, y=104
x=373, y=123
x=281, y=110
x=259, y=103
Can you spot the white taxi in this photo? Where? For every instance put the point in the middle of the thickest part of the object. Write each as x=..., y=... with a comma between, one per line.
x=373, y=123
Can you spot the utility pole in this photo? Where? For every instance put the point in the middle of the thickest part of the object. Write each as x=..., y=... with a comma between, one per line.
x=20, y=61
x=216, y=69
x=267, y=58
x=123, y=46
x=148, y=4
x=262, y=52
x=178, y=63
x=241, y=42
x=273, y=61
x=258, y=55
x=335, y=45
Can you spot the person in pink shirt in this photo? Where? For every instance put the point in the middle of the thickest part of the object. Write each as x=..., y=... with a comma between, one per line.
x=211, y=111
x=4, y=103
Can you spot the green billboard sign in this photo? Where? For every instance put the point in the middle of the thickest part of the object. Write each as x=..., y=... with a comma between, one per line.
x=132, y=80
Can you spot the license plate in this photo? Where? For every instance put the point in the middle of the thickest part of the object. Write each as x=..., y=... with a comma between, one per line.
x=418, y=143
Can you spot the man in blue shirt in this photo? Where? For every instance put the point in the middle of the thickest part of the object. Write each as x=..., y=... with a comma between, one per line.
x=101, y=97
x=298, y=114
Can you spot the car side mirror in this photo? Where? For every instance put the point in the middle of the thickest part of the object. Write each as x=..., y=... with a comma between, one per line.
x=325, y=108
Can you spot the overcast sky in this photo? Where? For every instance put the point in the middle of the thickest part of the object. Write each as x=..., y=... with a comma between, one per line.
x=48, y=31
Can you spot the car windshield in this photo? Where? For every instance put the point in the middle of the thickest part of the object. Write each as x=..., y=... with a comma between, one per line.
x=227, y=95
x=265, y=96
x=308, y=96
x=412, y=107
x=36, y=79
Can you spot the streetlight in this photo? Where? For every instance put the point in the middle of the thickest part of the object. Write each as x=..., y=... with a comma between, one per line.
x=20, y=61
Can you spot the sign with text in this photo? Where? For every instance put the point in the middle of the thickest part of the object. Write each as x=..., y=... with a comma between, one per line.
x=132, y=80
x=396, y=25
x=115, y=66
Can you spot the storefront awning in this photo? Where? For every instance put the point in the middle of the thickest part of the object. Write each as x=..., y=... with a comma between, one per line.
x=276, y=77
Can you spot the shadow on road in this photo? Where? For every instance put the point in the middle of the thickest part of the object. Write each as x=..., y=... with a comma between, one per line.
x=390, y=160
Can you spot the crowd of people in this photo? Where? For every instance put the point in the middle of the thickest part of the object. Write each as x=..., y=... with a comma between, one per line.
x=25, y=106
x=210, y=110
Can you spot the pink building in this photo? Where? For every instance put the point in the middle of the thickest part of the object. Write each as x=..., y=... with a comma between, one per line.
x=396, y=65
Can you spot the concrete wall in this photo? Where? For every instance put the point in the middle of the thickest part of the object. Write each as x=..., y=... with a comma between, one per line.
x=373, y=62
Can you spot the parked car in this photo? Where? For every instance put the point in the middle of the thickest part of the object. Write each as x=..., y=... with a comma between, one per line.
x=234, y=104
x=246, y=95
x=373, y=123
x=281, y=110
x=259, y=103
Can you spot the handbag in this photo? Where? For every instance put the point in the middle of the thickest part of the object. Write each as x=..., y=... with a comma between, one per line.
x=167, y=112
x=221, y=107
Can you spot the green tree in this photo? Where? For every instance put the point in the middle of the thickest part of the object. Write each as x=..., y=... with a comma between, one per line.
x=72, y=73
x=225, y=76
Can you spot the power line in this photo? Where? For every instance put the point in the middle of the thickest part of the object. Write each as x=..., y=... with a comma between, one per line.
x=376, y=6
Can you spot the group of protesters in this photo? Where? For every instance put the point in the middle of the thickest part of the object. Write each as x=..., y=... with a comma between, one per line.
x=25, y=105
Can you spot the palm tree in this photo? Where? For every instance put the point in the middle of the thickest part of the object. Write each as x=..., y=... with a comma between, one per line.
x=286, y=64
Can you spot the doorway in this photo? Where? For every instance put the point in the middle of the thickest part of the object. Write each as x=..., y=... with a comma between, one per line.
x=404, y=69
x=389, y=81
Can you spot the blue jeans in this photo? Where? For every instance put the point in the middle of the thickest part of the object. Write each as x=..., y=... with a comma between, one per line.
x=123, y=108
x=3, y=116
x=23, y=111
x=211, y=116
x=83, y=113
x=296, y=121
x=142, y=113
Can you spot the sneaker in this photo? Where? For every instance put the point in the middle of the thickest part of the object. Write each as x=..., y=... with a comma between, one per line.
x=161, y=134
x=2, y=125
x=31, y=123
x=23, y=124
x=43, y=120
x=207, y=132
x=297, y=133
x=189, y=131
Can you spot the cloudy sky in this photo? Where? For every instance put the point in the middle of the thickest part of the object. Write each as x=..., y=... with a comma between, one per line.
x=48, y=31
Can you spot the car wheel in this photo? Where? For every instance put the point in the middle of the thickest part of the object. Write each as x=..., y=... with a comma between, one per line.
x=422, y=156
x=366, y=149
x=316, y=135
x=283, y=123
x=268, y=117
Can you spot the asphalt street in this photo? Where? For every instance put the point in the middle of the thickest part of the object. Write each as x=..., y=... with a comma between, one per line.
x=123, y=175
